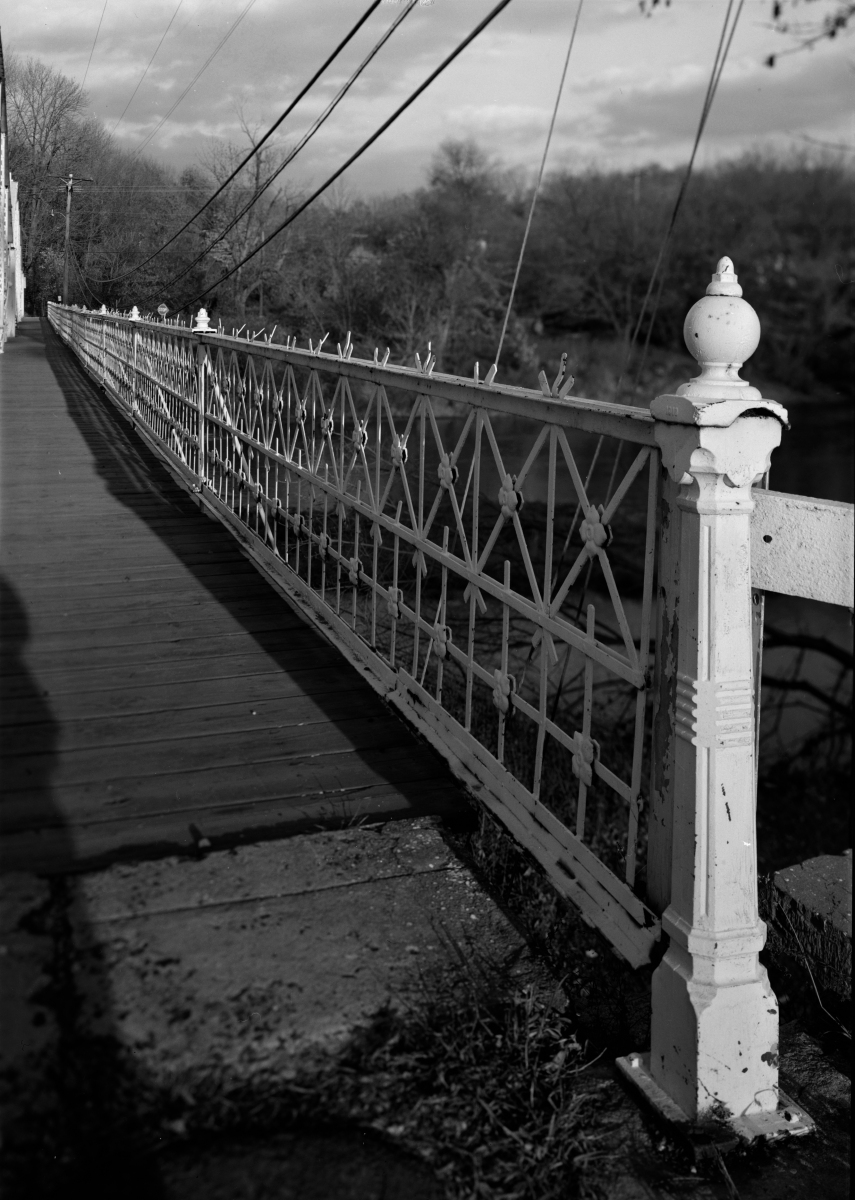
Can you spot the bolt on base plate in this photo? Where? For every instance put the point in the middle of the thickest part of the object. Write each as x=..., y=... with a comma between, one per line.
x=788, y=1119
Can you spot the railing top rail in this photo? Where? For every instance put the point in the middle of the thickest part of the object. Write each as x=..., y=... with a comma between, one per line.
x=633, y=424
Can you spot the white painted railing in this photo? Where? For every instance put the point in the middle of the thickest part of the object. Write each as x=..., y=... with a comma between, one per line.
x=506, y=609
x=379, y=497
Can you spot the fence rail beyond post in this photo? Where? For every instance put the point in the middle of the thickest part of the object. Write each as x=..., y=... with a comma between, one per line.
x=714, y=1031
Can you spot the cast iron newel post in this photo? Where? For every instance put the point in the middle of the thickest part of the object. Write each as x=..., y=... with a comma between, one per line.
x=714, y=1032
x=202, y=324
x=135, y=335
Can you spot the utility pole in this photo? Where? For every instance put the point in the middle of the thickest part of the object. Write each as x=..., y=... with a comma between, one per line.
x=69, y=188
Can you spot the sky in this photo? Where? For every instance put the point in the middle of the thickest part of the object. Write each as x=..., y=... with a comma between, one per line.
x=633, y=93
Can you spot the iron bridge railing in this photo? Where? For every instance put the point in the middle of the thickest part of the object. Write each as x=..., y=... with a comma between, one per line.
x=498, y=592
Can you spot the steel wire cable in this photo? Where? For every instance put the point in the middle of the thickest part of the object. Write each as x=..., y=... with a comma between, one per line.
x=292, y=154
x=195, y=79
x=537, y=187
x=347, y=38
x=494, y=12
x=94, y=43
x=658, y=271
x=145, y=72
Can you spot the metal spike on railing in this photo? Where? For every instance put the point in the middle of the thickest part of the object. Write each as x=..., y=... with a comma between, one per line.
x=475, y=373
x=562, y=370
x=386, y=357
x=491, y=375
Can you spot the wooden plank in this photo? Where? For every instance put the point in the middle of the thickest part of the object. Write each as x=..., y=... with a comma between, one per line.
x=287, y=745
x=46, y=574
x=62, y=681
x=161, y=697
x=118, y=595
x=164, y=631
x=190, y=613
x=189, y=649
x=317, y=715
x=183, y=789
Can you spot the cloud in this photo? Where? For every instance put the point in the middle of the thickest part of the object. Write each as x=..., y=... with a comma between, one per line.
x=749, y=107
x=633, y=93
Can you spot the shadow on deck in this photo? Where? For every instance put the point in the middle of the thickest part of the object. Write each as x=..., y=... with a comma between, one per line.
x=155, y=689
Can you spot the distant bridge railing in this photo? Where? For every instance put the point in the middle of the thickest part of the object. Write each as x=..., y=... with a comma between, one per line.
x=527, y=576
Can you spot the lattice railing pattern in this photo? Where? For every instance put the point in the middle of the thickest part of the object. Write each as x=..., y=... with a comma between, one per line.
x=501, y=597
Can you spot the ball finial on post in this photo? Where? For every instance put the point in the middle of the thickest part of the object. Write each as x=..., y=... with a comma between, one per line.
x=721, y=331
x=201, y=323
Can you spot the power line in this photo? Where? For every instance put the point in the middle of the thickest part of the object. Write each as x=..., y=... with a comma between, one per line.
x=145, y=72
x=195, y=78
x=357, y=153
x=348, y=36
x=92, y=51
x=292, y=154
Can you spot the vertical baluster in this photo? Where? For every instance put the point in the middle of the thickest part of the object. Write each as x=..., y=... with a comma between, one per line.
x=586, y=720
x=470, y=659
x=340, y=516
x=356, y=550
x=325, y=535
x=547, y=596
x=378, y=419
x=298, y=512
x=503, y=717
x=443, y=604
x=643, y=658
x=311, y=486
x=476, y=485
x=395, y=553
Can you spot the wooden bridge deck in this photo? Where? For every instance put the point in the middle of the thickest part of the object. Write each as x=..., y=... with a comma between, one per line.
x=151, y=679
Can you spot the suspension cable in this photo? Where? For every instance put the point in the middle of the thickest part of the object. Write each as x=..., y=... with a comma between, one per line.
x=292, y=154
x=537, y=187
x=712, y=87
x=145, y=72
x=711, y=91
x=195, y=78
x=94, y=43
x=356, y=154
x=347, y=38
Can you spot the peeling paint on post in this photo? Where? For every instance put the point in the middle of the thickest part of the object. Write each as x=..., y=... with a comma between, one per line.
x=660, y=816
x=714, y=1031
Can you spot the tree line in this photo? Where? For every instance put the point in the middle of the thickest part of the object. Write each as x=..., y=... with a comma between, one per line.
x=436, y=264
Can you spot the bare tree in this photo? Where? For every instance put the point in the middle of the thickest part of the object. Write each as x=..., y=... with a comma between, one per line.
x=232, y=232
x=48, y=135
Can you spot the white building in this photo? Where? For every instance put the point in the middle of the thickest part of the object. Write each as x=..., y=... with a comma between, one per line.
x=12, y=282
